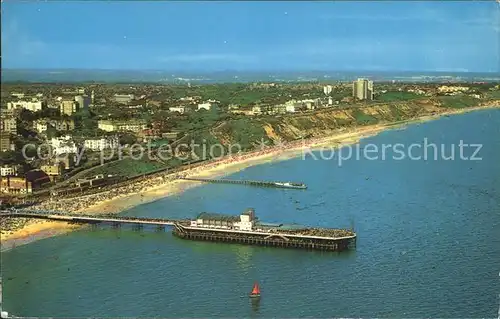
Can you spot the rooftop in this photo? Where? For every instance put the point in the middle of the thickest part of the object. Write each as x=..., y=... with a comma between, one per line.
x=249, y=211
x=221, y=217
x=37, y=175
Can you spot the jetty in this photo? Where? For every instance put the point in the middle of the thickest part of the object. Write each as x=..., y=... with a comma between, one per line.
x=244, y=229
x=249, y=182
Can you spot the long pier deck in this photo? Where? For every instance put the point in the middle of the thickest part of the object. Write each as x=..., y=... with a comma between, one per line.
x=249, y=182
x=56, y=216
x=307, y=238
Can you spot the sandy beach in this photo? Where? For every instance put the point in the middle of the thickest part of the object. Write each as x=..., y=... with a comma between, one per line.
x=170, y=185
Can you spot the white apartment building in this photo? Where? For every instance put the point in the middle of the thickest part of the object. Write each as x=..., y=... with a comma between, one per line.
x=290, y=108
x=60, y=125
x=18, y=95
x=83, y=101
x=310, y=104
x=327, y=89
x=452, y=89
x=29, y=105
x=8, y=170
x=362, y=89
x=8, y=125
x=101, y=144
x=179, y=109
x=62, y=145
x=124, y=98
x=114, y=126
x=40, y=126
x=205, y=106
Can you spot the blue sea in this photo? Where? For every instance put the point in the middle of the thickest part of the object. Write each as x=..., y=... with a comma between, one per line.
x=428, y=243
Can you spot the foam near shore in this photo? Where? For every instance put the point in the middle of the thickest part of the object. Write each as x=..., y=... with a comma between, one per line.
x=149, y=191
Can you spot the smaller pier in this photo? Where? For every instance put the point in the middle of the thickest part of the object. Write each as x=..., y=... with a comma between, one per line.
x=248, y=182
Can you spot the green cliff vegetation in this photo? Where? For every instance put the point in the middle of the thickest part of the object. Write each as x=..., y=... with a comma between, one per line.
x=458, y=101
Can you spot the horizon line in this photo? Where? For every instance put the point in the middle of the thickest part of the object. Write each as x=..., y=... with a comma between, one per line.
x=247, y=71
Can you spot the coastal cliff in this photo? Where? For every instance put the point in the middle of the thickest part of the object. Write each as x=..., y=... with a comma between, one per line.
x=248, y=132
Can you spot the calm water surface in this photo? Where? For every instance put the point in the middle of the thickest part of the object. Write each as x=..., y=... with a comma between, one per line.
x=428, y=244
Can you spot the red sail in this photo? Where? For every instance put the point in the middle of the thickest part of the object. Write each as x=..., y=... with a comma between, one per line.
x=255, y=290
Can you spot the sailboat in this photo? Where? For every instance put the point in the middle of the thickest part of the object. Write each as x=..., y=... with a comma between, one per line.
x=255, y=291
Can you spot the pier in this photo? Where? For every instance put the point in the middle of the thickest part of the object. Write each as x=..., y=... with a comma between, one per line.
x=213, y=227
x=249, y=182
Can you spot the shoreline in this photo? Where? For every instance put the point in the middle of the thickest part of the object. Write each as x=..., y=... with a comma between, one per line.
x=36, y=229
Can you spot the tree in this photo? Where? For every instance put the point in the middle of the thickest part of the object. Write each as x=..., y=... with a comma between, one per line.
x=52, y=132
x=48, y=113
x=26, y=115
x=127, y=139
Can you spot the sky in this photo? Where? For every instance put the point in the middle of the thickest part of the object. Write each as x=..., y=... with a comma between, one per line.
x=444, y=36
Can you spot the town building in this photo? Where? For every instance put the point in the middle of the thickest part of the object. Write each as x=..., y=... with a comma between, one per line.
x=101, y=144
x=68, y=107
x=123, y=98
x=32, y=181
x=257, y=109
x=276, y=109
x=243, y=111
x=62, y=145
x=171, y=135
x=121, y=126
x=53, y=169
x=190, y=98
x=29, y=105
x=83, y=102
x=178, y=109
x=60, y=125
x=8, y=125
x=362, y=89
x=327, y=89
x=205, y=106
x=18, y=95
x=10, y=170
x=137, y=104
x=290, y=108
x=6, y=143
x=452, y=89
x=245, y=221
x=149, y=135
x=94, y=181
